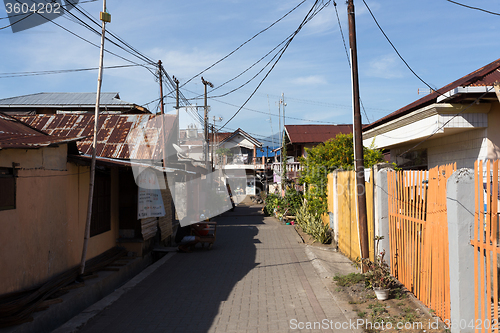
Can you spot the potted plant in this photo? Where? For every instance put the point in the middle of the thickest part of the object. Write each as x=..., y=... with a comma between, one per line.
x=379, y=276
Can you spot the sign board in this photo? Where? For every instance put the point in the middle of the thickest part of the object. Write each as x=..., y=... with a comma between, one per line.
x=150, y=202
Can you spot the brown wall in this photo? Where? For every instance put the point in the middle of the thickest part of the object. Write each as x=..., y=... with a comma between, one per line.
x=43, y=236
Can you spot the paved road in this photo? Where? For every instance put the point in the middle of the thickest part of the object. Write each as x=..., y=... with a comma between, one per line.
x=257, y=278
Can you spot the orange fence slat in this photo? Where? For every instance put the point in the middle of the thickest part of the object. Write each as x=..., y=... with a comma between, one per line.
x=418, y=233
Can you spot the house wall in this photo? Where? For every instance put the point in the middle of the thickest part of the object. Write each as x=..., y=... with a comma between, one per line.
x=43, y=236
x=493, y=133
x=464, y=148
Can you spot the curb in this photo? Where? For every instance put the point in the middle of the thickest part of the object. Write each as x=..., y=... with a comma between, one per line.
x=325, y=277
x=74, y=324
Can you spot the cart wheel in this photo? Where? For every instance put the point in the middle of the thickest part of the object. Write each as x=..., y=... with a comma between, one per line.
x=202, y=245
x=210, y=246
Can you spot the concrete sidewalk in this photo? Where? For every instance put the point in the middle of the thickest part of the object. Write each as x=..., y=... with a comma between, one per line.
x=258, y=277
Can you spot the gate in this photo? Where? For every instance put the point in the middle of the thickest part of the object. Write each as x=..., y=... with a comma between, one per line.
x=418, y=234
x=485, y=243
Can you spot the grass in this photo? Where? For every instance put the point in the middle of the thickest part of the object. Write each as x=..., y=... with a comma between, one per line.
x=361, y=314
x=349, y=279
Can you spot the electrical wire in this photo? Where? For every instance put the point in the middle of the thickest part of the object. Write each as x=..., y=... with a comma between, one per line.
x=446, y=123
x=10, y=25
x=397, y=52
x=59, y=71
x=312, y=12
x=15, y=15
x=476, y=8
x=348, y=58
x=269, y=113
x=246, y=42
x=86, y=40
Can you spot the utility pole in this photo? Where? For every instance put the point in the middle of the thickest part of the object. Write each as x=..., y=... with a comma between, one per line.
x=160, y=75
x=358, y=139
x=206, y=148
x=283, y=150
x=177, y=107
x=213, y=138
x=105, y=17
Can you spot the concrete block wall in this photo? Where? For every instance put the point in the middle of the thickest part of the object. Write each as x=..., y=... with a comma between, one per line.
x=464, y=148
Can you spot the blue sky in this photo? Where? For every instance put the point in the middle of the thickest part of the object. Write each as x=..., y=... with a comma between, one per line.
x=440, y=40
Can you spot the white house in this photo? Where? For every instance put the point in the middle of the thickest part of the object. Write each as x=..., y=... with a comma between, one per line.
x=456, y=123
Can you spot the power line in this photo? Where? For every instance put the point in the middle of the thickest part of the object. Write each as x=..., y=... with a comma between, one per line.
x=312, y=12
x=347, y=54
x=243, y=44
x=86, y=40
x=397, y=52
x=446, y=123
x=59, y=71
x=476, y=8
x=66, y=5
x=275, y=115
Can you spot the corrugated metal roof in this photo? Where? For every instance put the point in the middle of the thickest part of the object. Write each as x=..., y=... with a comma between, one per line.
x=64, y=100
x=121, y=163
x=119, y=136
x=16, y=134
x=484, y=76
x=300, y=134
x=244, y=134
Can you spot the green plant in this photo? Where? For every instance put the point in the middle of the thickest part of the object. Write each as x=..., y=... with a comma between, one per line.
x=377, y=310
x=410, y=315
x=349, y=279
x=379, y=274
x=312, y=225
x=293, y=200
x=224, y=152
x=361, y=314
x=325, y=158
x=272, y=202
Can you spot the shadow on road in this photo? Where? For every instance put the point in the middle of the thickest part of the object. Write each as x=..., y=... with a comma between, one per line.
x=185, y=293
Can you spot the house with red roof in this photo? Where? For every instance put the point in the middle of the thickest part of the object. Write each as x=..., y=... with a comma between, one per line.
x=299, y=137
x=456, y=123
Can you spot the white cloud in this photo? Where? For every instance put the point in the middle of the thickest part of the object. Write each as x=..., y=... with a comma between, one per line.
x=385, y=67
x=310, y=80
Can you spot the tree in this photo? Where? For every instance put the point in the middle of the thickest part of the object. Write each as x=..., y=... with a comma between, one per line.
x=336, y=153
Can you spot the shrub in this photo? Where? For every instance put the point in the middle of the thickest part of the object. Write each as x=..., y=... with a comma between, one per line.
x=312, y=225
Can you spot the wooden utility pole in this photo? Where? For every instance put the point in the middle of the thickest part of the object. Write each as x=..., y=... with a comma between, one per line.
x=105, y=17
x=160, y=76
x=358, y=138
x=177, y=106
x=206, y=149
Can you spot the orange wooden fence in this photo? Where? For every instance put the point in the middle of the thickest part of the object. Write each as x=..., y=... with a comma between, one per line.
x=485, y=242
x=418, y=232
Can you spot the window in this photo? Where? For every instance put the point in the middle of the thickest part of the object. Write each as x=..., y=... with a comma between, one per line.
x=8, y=189
x=101, y=204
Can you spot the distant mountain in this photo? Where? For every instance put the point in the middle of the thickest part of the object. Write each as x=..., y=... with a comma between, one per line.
x=268, y=142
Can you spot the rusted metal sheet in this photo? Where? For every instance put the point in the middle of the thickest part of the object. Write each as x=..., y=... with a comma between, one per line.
x=119, y=136
x=300, y=134
x=16, y=134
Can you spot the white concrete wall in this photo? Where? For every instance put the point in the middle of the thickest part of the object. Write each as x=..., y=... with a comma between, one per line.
x=464, y=148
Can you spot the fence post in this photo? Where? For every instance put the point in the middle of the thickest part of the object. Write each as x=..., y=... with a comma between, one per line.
x=381, y=214
x=460, y=206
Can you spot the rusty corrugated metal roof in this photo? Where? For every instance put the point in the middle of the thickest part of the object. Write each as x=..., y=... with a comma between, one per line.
x=119, y=136
x=16, y=134
x=484, y=76
x=301, y=134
